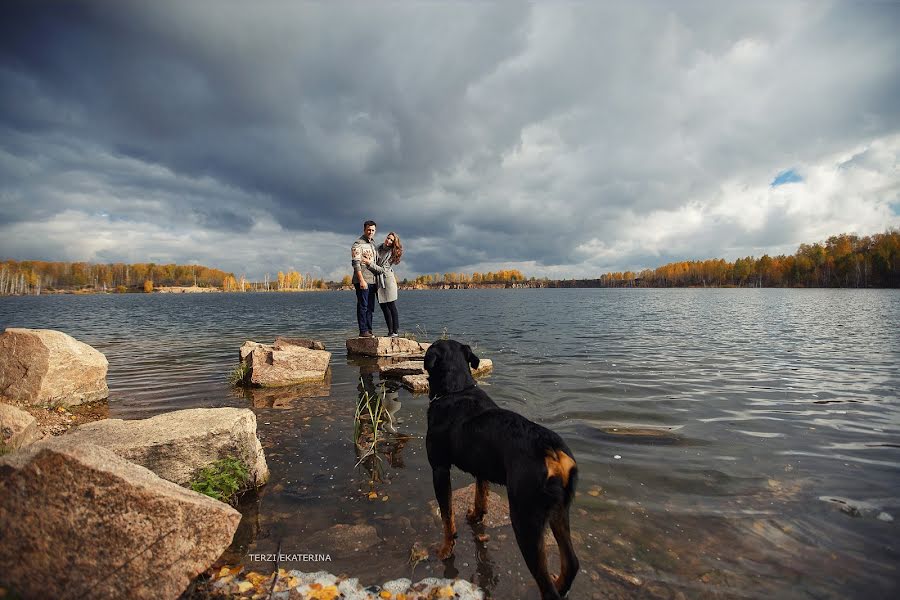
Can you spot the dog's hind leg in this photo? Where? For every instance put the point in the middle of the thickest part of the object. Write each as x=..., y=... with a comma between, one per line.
x=444, y=495
x=568, y=561
x=479, y=507
x=529, y=522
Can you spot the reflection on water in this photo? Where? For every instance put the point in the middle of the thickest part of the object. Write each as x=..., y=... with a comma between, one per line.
x=731, y=443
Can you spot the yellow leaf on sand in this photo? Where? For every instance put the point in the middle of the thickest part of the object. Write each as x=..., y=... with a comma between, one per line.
x=244, y=586
x=385, y=594
x=373, y=495
x=256, y=579
x=445, y=592
x=326, y=593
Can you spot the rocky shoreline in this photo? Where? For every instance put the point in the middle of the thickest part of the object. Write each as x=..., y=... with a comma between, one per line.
x=102, y=507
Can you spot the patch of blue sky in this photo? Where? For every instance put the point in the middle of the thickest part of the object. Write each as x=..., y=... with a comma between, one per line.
x=789, y=176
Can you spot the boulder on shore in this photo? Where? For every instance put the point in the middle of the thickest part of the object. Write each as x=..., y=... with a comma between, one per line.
x=177, y=445
x=17, y=428
x=47, y=367
x=284, y=362
x=77, y=521
x=386, y=346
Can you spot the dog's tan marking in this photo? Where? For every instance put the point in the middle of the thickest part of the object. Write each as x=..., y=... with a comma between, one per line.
x=559, y=464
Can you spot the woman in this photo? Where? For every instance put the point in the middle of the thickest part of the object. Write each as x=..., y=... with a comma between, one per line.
x=388, y=254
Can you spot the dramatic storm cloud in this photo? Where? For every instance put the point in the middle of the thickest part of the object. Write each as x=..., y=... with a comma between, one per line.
x=563, y=139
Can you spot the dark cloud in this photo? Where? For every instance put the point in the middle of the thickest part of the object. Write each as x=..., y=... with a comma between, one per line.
x=565, y=137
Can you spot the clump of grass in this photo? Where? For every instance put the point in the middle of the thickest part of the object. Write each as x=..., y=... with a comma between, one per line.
x=222, y=480
x=240, y=374
x=369, y=411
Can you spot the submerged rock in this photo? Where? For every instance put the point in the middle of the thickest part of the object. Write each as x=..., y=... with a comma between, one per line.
x=47, y=367
x=177, y=445
x=77, y=521
x=386, y=346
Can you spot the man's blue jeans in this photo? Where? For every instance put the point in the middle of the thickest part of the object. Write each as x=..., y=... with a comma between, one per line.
x=366, y=299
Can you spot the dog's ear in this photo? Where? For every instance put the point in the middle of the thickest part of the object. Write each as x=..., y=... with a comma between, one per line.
x=430, y=359
x=470, y=357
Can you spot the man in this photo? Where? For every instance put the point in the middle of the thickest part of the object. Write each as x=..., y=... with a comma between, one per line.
x=364, y=279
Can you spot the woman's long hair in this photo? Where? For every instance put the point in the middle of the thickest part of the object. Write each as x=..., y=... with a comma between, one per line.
x=396, y=249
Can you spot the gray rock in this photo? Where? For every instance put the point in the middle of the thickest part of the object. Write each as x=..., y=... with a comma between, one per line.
x=47, y=367
x=77, y=521
x=177, y=445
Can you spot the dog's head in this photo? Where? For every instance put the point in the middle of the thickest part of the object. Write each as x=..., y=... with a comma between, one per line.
x=448, y=364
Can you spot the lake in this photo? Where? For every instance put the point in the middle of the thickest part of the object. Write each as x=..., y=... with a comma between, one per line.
x=731, y=443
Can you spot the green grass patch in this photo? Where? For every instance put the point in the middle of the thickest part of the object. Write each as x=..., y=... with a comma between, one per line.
x=223, y=480
x=240, y=375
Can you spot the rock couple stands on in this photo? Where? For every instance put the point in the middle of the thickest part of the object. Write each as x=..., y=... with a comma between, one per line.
x=386, y=346
x=289, y=361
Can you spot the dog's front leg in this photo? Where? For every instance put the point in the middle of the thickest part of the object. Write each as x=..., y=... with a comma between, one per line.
x=444, y=495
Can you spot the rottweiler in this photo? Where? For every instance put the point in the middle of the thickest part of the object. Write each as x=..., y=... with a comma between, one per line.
x=467, y=429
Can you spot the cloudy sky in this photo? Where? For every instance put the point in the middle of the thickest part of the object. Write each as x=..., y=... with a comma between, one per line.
x=565, y=139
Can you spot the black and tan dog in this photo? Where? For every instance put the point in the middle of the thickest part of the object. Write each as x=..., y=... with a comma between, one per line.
x=467, y=429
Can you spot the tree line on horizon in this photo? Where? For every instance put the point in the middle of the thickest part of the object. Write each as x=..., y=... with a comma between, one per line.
x=35, y=276
x=845, y=260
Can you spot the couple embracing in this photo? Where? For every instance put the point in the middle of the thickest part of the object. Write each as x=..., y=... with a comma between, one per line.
x=373, y=278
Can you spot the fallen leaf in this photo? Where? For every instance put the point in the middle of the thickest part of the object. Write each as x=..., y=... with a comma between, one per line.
x=244, y=586
x=373, y=495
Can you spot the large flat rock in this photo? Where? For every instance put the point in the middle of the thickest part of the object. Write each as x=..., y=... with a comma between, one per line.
x=78, y=521
x=285, y=363
x=177, y=445
x=46, y=367
x=385, y=346
x=17, y=428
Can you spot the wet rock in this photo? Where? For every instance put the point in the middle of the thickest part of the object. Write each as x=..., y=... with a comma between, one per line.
x=177, y=445
x=17, y=428
x=418, y=383
x=77, y=521
x=346, y=539
x=858, y=508
x=386, y=346
x=284, y=363
x=407, y=367
x=47, y=367
x=485, y=366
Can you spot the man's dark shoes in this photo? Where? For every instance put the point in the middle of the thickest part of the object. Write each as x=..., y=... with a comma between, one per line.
x=366, y=334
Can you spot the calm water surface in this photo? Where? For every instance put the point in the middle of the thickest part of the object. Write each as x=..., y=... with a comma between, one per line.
x=731, y=443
